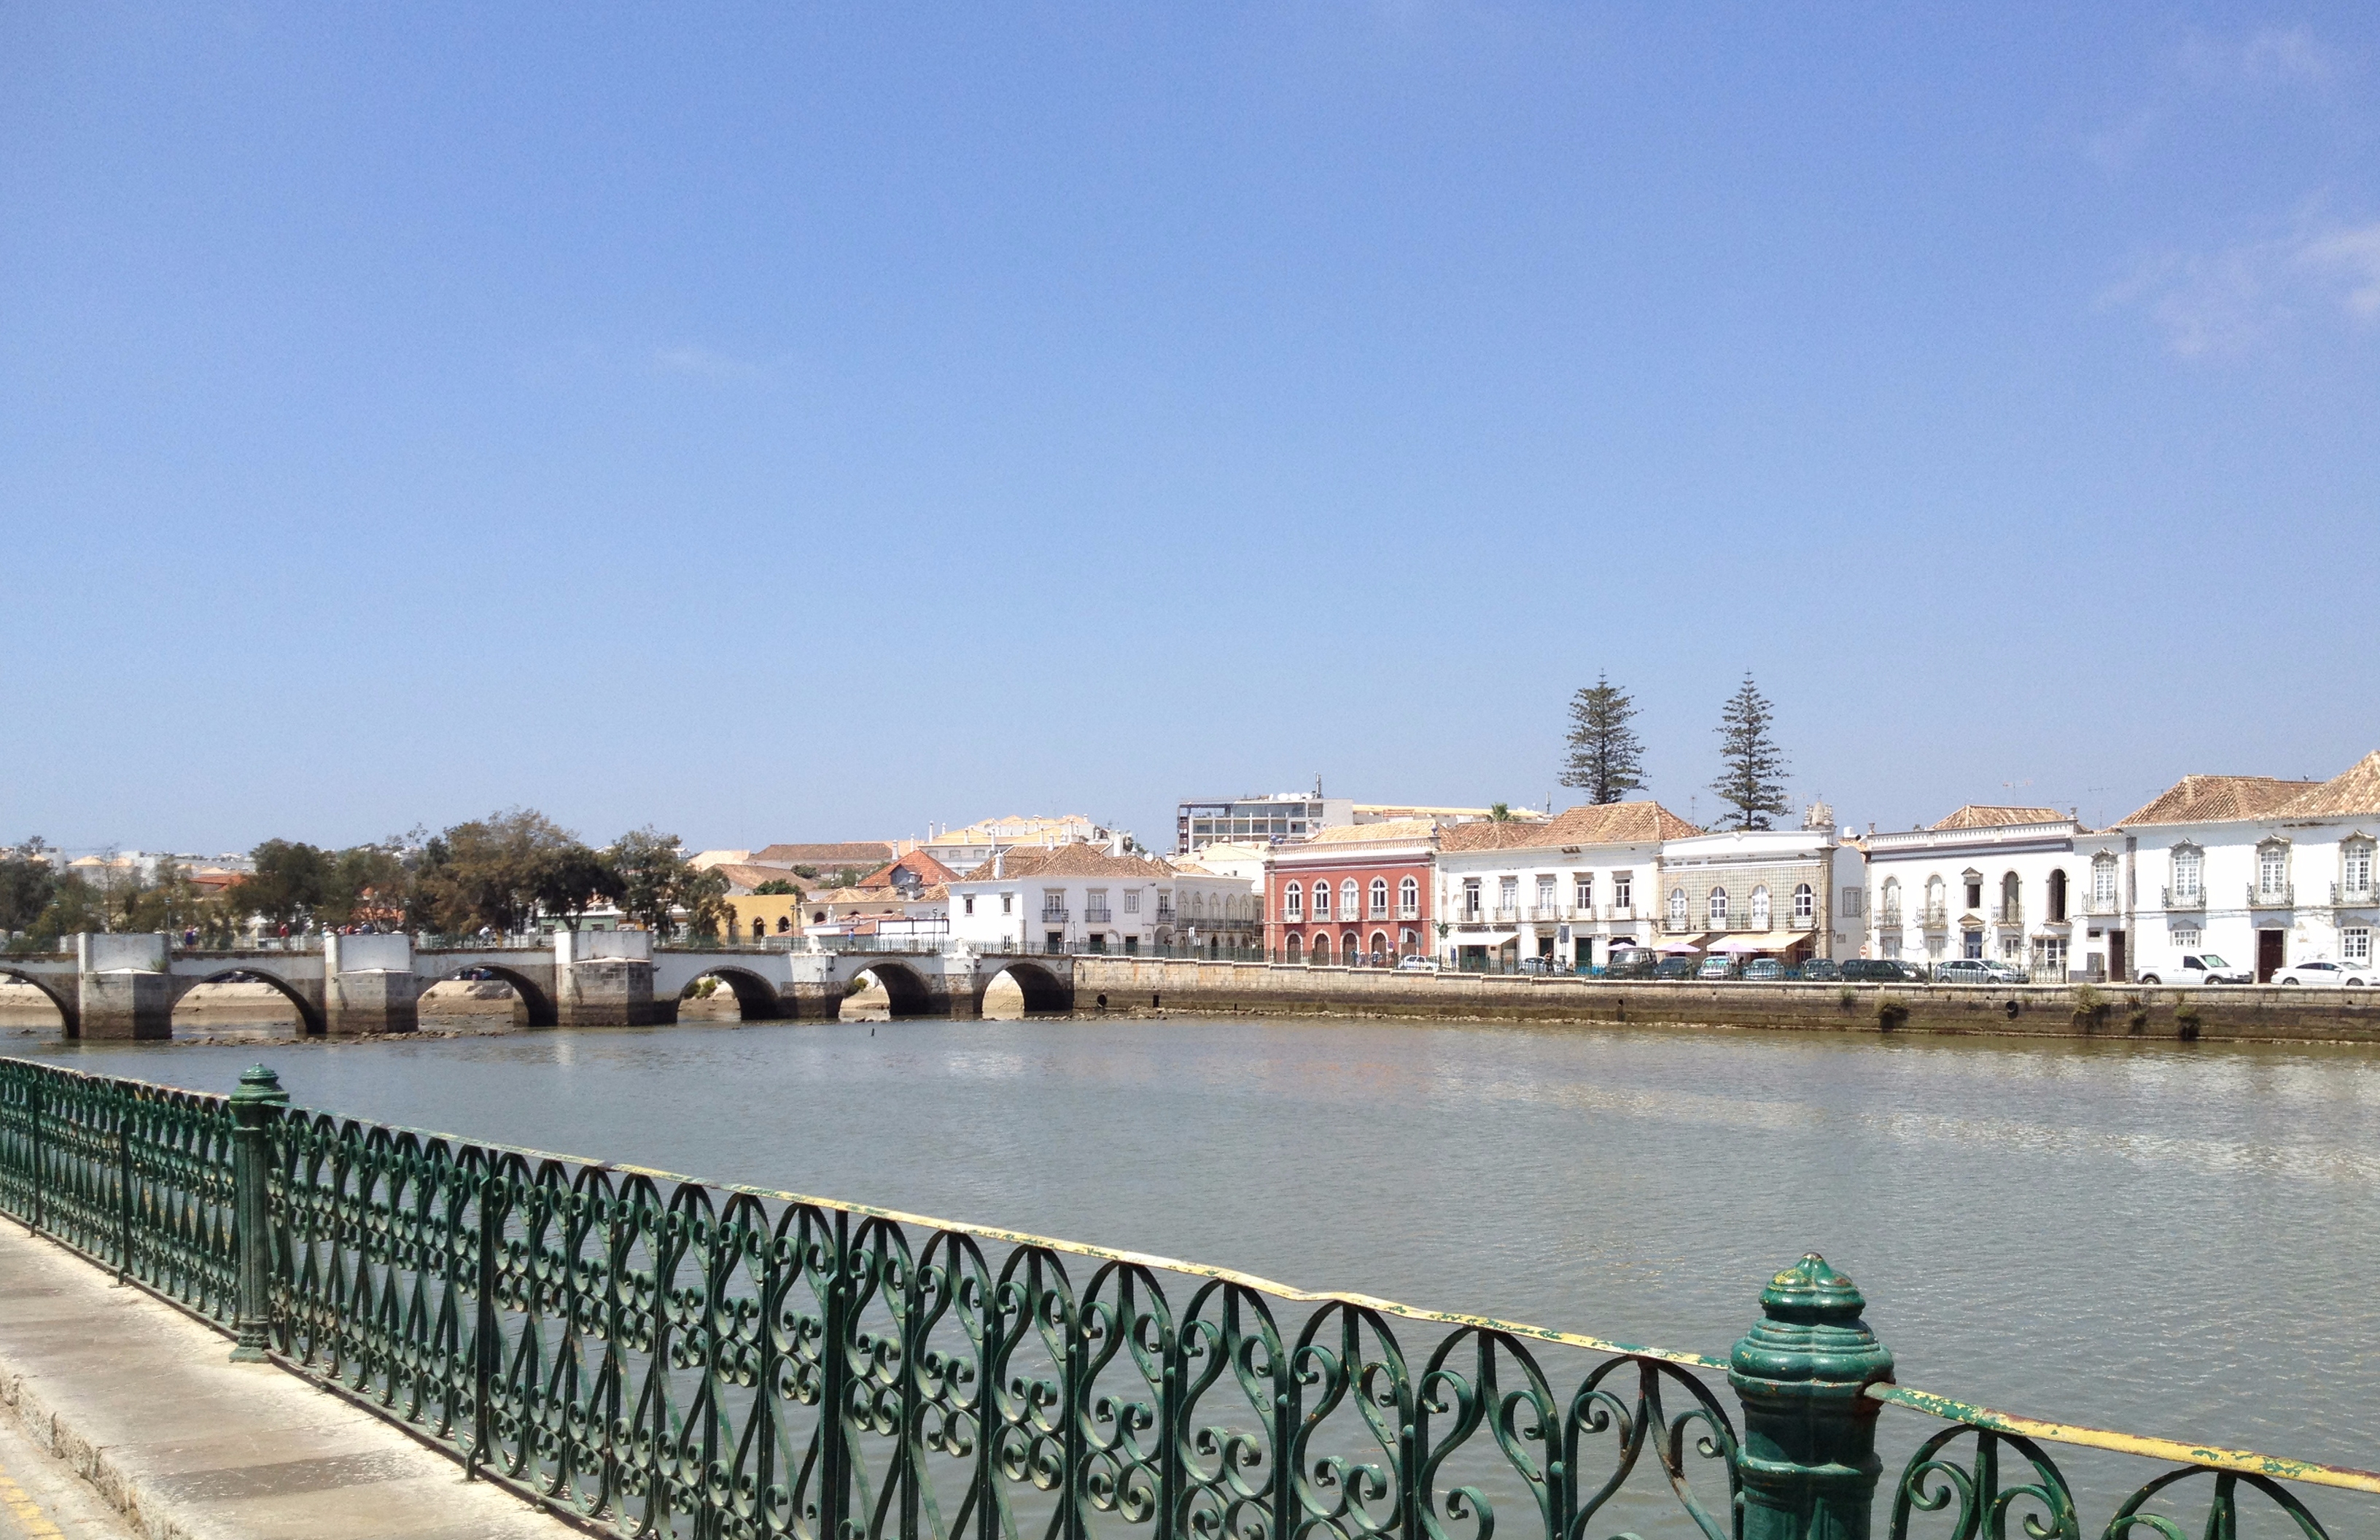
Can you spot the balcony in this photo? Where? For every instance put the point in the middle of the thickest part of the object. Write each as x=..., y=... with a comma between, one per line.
x=2344, y=897
x=1379, y=911
x=1935, y=916
x=2184, y=898
x=1165, y=914
x=1889, y=918
x=1677, y=925
x=2274, y=895
x=1625, y=912
x=2008, y=915
x=1549, y=911
x=2096, y=905
x=1054, y=913
x=1508, y=914
x=1408, y=911
x=1097, y=916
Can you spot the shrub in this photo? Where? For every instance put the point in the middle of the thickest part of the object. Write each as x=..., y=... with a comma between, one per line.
x=2091, y=1008
x=2136, y=1020
x=1890, y=1015
x=2186, y=1023
x=1849, y=997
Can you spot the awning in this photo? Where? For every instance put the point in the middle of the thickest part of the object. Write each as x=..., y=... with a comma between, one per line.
x=1681, y=947
x=1763, y=940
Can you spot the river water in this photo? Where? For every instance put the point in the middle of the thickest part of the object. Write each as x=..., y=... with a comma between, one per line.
x=2165, y=1238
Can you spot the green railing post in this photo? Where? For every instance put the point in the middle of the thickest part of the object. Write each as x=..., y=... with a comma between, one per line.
x=253, y=1107
x=41, y=1188
x=123, y=1190
x=1808, y=1459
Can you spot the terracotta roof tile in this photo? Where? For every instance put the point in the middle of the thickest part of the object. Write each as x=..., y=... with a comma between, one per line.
x=1389, y=830
x=1067, y=860
x=849, y=853
x=1595, y=824
x=750, y=878
x=2354, y=793
x=2219, y=798
x=1974, y=815
x=917, y=861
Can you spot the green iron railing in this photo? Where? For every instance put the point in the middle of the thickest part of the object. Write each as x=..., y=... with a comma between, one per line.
x=651, y=1355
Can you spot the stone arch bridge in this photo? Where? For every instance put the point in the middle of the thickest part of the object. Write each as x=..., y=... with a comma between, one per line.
x=119, y=986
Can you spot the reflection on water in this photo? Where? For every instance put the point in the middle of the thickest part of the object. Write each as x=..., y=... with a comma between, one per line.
x=2170, y=1238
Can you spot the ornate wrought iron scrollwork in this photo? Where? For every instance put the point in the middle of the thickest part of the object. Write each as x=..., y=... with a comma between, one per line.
x=1977, y=1502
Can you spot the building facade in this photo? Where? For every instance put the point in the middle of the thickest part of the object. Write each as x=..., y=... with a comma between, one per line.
x=2026, y=886
x=1566, y=891
x=1357, y=893
x=1082, y=898
x=1758, y=892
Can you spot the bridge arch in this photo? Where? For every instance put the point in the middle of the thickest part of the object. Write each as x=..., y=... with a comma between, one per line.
x=906, y=991
x=755, y=998
x=535, y=1001
x=69, y=1013
x=1043, y=990
x=310, y=1015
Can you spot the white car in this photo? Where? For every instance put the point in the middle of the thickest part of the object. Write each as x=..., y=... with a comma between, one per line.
x=1418, y=964
x=2324, y=975
x=2198, y=967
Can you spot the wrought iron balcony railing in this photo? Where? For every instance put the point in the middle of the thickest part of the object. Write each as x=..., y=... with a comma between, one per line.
x=1889, y=917
x=1408, y=911
x=2182, y=898
x=2345, y=897
x=1935, y=916
x=2008, y=914
x=2274, y=895
x=1097, y=916
x=706, y=1325
x=1053, y=915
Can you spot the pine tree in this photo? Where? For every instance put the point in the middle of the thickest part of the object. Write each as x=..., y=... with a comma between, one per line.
x=1606, y=758
x=1754, y=780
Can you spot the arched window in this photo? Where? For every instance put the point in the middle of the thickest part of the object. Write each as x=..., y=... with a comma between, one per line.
x=2272, y=868
x=1935, y=901
x=1322, y=947
x=1893, y=901
x=1805, y=901
x=1379, y=946
x=1407, y=944
x=1296, y=945
x=2058, y=893
x=1322, y=898
x=1677, y=907
x=1760, y=907
x=783, y=925
x=1379, y=898
x=2011, y=898
x=1351, y=950
x=1409, y=899
x=760, y=929
x=2355, y=866
x=1718, y=908
x=1348, y=901
x=2102, y=883
x=1293, y=903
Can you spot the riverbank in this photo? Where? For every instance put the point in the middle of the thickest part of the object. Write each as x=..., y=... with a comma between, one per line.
x=2256, y=1014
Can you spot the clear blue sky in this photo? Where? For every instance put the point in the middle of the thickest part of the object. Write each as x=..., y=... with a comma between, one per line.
x=796, y=422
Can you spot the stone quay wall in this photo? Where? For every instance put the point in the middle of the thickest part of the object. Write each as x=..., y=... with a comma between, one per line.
x=2234, y=1014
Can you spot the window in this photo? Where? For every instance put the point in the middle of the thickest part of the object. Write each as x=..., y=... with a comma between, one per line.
x=2057, y=899
x=2355, y=866
x=1892, y=899
x=2272, y=868
x=2188, y=863
x=1974, y=890
x=2102, y=883
x=2355, y=946
x=1582, y=889
x=1760, y=907
x=2186, y=937
x=970, y=904
x=1677, y=907
x=1347, y=910
x=1974, y=940
x=1409, y=900
x=1379, y=898
x=1053, y=903
x=1322, y=898
x=1892, y=947
x=1805, y=902
x=1623, y=885
x=1851, y=902
x=1007, y=903
x=1131, y=901
x=1545, y=891
x=1718, y=908
x=1471, y=898
x=1292, y=901
x=1508, y=897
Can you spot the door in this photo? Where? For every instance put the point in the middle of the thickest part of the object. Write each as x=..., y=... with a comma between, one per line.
x=2116, y=961
x=2268, y=954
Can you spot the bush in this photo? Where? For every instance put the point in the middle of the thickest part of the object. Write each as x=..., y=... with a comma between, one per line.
x=2091, y=1008
x=1890, y=1015
x=2136, y=1020
x=2186, y=1023
x=1849, y=997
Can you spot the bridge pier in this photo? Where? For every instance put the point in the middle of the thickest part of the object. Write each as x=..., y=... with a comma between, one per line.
x=369, y=985
x=605, y=978
x=121, y=988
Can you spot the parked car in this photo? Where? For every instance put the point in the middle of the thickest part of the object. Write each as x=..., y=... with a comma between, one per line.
x=1537, y=965
x=1418, y=964
x=1821, y=970
x=1977, y=970
x=1719, y=965
x=1632, y=963
x=2198, y=967
x=1873, y=970
x=1765, y=970
x=2325, y=975
x=1675, y=967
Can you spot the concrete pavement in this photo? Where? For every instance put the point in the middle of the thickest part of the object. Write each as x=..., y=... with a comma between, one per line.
x=142, y=1404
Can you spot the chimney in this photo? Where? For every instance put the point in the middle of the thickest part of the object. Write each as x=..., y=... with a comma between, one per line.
x=996, y=854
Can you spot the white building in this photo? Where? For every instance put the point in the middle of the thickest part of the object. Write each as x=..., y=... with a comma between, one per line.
x=2262, y=873
x=1567, y=889
x=2026, y=886
x=1775, y=891
x=962, y=850
x=1080, y=897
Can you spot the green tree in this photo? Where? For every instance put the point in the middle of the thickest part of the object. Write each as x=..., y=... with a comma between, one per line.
x=572, y=880
x=778, y=885
x=75, y=906
x=1499, y=813
x=1607, y=758
x=1752, y=779
x=652, y=878
x=288, y=881
x=28, y=881
x=487, y=872
x=365, y=885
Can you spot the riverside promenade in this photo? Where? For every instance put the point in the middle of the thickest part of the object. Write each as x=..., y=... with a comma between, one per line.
x=120, y=1415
